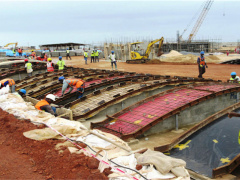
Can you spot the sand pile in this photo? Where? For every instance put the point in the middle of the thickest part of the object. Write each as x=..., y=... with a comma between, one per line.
x=172, y=54
x=190, y=58
x=153, y=61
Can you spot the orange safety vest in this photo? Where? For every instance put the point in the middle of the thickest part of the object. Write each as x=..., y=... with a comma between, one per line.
x=41, y=103
x=76, y=82
x=50, y=67
x=202, y=61
x=11, y=82
x=19, y=50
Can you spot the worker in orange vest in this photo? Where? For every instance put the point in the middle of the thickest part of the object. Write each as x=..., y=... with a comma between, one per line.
x=78, y=83
x=44, y=105
x=9, y=82
x=202, y=65
x=50, y=65
x=20, y=51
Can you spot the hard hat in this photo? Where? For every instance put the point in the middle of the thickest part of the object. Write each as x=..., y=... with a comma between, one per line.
x=23, y=91
x=60, y=57
x=51, y=96
x=233, y=74
x=202, y=52
x=32, y=50
x=112, y=51
x=67, y=48
x=49, y=59
x=26, y=60
x=61, y=78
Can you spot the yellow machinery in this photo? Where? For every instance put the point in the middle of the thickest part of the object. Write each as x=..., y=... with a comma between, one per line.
x=137, y=58
x=11, y=44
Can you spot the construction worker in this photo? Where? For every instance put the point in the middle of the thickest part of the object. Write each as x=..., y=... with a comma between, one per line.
x=202, y=65
x=234, y=78
x=112, y=58
x=33, y=54
x=21, y=93
x=28, y=66
x=50, y=65
x=14, y=52
x=60, y=64
x=68, y=54
x=20, y=51
x=78, y=83
x=96, y=54
x=9, y=82
x=44, y=105
x=85, y=56
x=92, y=56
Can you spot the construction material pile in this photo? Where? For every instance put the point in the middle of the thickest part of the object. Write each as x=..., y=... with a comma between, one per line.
x=107, y=145
x=177, y=57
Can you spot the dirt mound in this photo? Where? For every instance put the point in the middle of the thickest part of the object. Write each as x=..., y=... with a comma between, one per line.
x=190, y=58
x=29, y=159
x=172, y=54
x=153, y=61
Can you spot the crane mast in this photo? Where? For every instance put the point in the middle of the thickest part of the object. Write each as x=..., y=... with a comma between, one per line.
x=200, y=20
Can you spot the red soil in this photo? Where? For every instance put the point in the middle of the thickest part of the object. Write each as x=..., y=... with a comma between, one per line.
x=23, y=158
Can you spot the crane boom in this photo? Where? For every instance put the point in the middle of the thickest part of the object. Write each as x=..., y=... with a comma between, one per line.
x=199, y=22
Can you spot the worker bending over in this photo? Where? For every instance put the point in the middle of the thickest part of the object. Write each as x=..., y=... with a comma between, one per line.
x=50, y=65
x=21, y=93
x=78, y=83
x=234, y=78
x=28, y=66
x=9, y=82
x=202, y=65
x=44, y=105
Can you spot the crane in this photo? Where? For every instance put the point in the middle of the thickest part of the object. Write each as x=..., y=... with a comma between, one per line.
x=200, y=20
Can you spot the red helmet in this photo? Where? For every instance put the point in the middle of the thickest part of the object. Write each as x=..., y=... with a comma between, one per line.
x=26, y=60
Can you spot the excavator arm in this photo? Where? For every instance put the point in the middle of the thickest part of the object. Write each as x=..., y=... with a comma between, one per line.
x=11, y=44
x=150, y=45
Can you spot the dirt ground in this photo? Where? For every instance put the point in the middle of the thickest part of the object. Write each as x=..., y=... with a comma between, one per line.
x=214, y=71
x=23, y=158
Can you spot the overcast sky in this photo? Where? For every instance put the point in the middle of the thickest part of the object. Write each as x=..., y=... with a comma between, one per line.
x=43, y=22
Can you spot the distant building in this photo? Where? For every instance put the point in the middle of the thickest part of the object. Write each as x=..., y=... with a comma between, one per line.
x=62, y=46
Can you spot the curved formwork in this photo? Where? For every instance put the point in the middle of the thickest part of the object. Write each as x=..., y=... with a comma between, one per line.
x=137, y=119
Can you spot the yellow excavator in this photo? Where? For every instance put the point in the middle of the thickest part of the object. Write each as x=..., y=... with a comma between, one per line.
x=11, y=44
x=138, y=58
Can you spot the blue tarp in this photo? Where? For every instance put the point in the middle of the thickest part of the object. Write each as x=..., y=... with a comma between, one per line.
x=10, y=53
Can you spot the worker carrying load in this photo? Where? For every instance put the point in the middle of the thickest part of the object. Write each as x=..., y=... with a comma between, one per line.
x=33, y=54
x=50, y=65
x=78, y=83
x=44, y=105
x=234, y=78
x=10, y=82
x=201, y=64
x=28, y=66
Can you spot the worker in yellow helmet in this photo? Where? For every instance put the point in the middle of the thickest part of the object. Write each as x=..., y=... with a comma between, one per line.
x=50, y=65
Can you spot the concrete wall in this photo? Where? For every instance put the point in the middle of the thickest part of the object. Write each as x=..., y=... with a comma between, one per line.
x=195, y=113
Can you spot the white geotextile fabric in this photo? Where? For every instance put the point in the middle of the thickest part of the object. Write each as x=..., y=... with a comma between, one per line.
x=4, y=90
x=25, y=110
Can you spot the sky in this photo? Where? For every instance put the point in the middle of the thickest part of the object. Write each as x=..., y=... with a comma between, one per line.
x=45, y=22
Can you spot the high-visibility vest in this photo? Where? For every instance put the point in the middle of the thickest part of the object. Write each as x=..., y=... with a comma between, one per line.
x=50, y=67
x=29, y=65
x=76, y=82
x=202, y=61
x=19, y=50
x=67, y=51
x=60, y=65
x=85, y=54
x=14, y=51
x=41, y=103
x=11, y=82
x=96, y=53
x=231, y=79
x=92, y=54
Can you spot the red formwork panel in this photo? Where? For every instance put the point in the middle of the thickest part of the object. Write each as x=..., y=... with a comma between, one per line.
x=215, y=88
x=150, y=111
